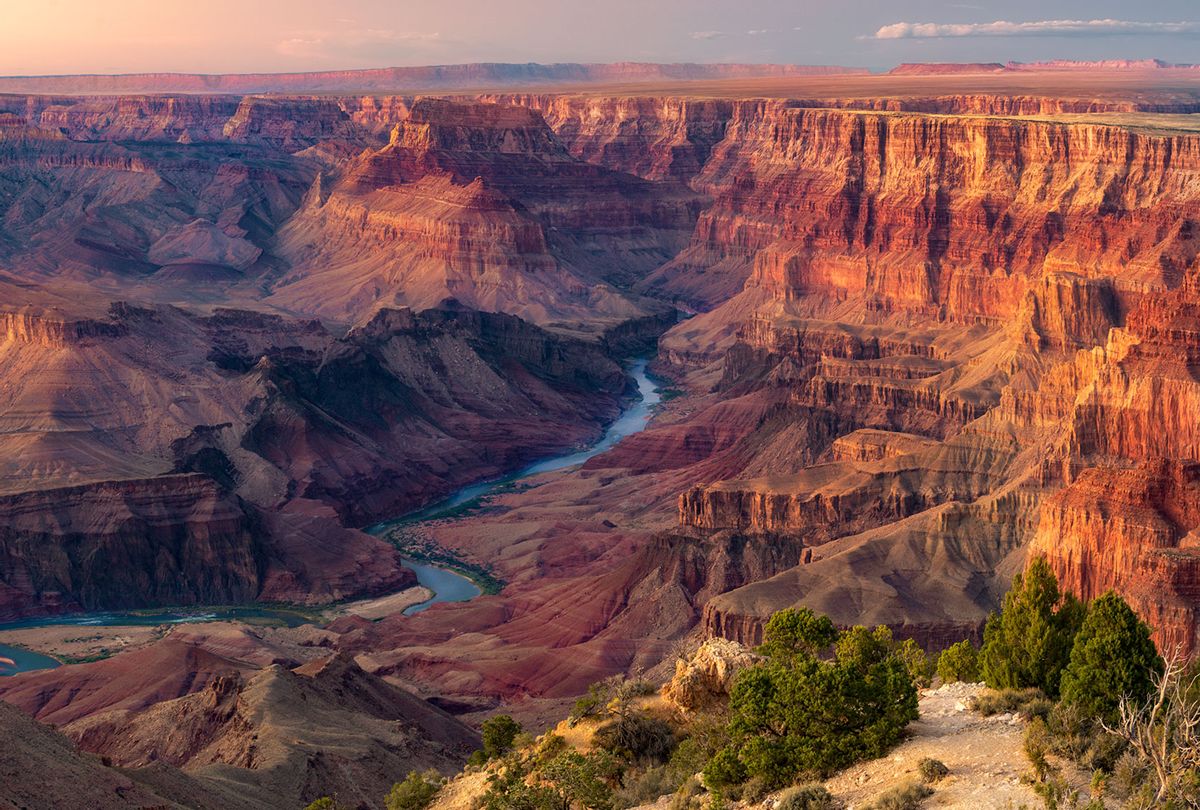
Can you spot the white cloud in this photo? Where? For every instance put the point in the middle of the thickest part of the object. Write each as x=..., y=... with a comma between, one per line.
x=1051, y=28
x=707, y=34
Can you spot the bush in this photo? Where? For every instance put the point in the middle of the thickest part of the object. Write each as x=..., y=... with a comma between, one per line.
x=797, y=631
x=797, y=715
x=1007, y=700
x=499, y=732
x=959, y=662
x=806, y=797
x=723, y=770
x=932, y=770
x=920, y=665
x=687, y=797
x=1113, y=657
x=904, y=797
x=324, y=803
x=637, y=737
x=1080, y=738
x=415, y=792
x=1028, y=644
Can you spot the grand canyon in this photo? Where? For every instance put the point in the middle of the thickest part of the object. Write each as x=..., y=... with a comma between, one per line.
x=264, y=335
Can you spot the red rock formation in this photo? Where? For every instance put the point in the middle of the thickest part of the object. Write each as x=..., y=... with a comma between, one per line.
x=481, y=203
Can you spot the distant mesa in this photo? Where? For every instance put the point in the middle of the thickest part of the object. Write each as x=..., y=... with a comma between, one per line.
x=1061, y=65
x=412, y=79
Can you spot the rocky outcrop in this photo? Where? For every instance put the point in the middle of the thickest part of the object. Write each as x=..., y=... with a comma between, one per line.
x=288, y=736
x=1133, y=531
x=707, y=676
x=173, y=540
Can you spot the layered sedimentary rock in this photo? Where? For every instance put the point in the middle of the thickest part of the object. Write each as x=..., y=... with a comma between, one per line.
x=483, y=204
x=120, y=494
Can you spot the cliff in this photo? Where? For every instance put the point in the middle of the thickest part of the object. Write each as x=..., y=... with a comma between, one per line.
x=483, y=204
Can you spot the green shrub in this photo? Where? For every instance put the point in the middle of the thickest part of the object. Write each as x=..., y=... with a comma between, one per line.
x=1028, y=644
x=1113, y=657
x=797, y=715
x=1007, y=700
x=904, y=797
x=959, y=662
x=806, y=797
x=723, y=770
x=324, y=803
x=637, y=737
x=499, y=732
x=415, y=792
x=920, y=665
x=688, y=796
x=932, y=770
x=797, y=631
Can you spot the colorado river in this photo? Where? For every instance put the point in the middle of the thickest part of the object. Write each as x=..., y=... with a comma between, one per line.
x=450, y=586
x=446, y=585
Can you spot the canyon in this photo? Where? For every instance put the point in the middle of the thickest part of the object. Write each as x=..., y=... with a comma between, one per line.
x=912, y=329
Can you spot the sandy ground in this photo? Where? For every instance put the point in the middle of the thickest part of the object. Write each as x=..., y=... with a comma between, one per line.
x=984, y=755
x=386, y=605
x=73, y=642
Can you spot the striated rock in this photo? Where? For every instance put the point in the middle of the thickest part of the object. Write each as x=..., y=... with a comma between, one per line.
x=482, y=204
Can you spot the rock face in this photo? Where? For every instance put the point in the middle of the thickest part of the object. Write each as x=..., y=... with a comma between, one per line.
x=708, y=675
x=483, y=204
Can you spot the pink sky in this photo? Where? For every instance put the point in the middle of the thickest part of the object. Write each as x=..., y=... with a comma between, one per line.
x=215, y=36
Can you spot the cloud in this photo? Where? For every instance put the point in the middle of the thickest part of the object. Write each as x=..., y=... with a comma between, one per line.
x=367, y=44
x=1043, y=28
x=753, y=32
x=707, y=34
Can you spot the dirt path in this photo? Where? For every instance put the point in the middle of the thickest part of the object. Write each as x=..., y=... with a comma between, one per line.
x=984, y=755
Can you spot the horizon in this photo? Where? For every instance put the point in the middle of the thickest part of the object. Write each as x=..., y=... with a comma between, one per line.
x=73, y=37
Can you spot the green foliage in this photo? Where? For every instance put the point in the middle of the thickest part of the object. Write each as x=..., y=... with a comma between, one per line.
x=724, y=769
x=1008, y=700
x=1079, y=737
x=580, y=780
x=797, y=631
x=904, y=797
x=1113, y=656
x=610, y=696
x=806, y=797
x=568, y=780
x=415, y=792
x=932, y=770
x=798, y=715
x=920, y=665
x=636, y=737
x=959, y=662
x=498, y=733
x=1029, y=642
x=324, y=803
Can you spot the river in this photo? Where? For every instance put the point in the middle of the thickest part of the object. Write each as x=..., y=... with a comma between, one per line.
x=446, y=585
x=450, y=586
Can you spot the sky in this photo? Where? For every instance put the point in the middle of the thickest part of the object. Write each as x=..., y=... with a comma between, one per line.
x=227, y=36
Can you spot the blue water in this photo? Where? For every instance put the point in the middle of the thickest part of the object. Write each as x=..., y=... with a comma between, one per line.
x=449, y=586
x=181, y=615
x=16, y=659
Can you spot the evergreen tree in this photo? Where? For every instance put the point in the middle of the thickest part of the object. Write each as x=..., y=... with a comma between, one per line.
x=1029, y=642
x=959, y=662
x=1113, y=657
